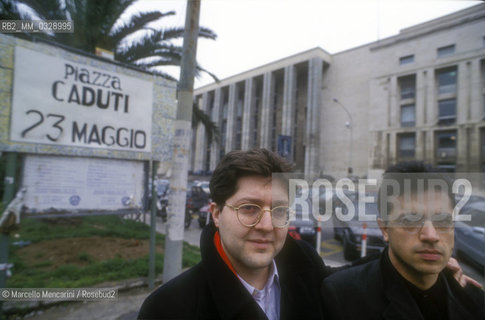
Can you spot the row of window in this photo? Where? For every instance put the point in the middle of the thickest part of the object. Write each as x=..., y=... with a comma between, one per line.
x=445, y=51
x=446, y=92
x=440, y=52
x=445, y=144
x=445, y=149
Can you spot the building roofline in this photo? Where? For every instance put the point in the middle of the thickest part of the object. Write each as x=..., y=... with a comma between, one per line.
x=447, y=21
x=271, y=66
x=468, y=15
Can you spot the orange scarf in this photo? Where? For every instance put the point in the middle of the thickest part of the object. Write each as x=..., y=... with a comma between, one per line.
x=220, y=250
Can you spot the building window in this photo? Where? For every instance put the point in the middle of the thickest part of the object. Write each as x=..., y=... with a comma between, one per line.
x=483, y=86
x=446, y=147
x=408, y=115
x=446, y=51
x=256, y=114
x=447, y=111
x=447, y=80
x=406, y=59
x=447, y=84
x=408, y=87
x=483, y=148
x=223, y=120
x=211, y=105
x=407, y=93
x=238, y=131
x=407, y=145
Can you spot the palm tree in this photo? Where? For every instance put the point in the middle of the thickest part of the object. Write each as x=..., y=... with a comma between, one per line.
x=9, y=11
x=99, y=24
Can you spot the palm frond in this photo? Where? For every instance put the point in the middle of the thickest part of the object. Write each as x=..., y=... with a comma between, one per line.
x=199, y=116
x=199, y=69
x=47, y=9
x=162, y=74
x=136, y=23
x=146, y=46
x=207, y=33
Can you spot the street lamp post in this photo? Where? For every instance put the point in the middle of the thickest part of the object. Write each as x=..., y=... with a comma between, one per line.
x=349, y=124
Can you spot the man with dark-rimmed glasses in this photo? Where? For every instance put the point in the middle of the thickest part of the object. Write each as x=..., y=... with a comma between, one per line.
x=409, y=281
x=250, y=268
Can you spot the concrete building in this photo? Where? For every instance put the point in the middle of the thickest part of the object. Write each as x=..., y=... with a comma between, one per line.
x=417, y=95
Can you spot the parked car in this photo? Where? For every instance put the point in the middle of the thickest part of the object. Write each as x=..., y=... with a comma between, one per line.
x=304, y=229
x=470, y=235
x=204, y=185
x=196, y=199
x=350, y=232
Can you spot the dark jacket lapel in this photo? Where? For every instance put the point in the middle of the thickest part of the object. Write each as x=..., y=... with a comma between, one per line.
x=297, y=270
x=232, y=300
x=401, y=303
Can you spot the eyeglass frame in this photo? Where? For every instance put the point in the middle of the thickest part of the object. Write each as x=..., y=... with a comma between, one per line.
x=290, y=211
x=419, y=228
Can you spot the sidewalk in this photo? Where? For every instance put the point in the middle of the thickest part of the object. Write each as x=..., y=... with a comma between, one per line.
x=125, y=308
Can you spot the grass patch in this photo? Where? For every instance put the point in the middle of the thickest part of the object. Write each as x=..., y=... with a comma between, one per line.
x=72, y=276
x=104, y=226
x=43, y=264
x=83, y=256
x=85, y=252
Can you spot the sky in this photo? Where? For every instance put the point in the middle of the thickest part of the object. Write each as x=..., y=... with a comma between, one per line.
x=252, y=33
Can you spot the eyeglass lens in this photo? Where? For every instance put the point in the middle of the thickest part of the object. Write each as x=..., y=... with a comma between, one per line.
x=249, y=214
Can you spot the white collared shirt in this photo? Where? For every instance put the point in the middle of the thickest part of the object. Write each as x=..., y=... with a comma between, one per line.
x=269, y=297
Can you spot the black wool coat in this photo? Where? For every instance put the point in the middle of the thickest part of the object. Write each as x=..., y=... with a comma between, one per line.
x=368, y=291
x=210, y=290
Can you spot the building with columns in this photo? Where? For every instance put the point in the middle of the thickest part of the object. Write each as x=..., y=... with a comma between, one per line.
x=417, y=95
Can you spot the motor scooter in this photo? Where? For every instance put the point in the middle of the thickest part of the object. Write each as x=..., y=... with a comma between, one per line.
x=162, y=204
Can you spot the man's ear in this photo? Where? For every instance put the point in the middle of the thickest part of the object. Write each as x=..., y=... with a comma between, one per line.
x=384, y=229
x=215, y=212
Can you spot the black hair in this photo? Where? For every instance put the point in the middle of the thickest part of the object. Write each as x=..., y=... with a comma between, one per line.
x=413, y=176
x=238, y=164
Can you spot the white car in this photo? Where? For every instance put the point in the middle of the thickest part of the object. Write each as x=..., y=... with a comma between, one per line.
x=204, y=185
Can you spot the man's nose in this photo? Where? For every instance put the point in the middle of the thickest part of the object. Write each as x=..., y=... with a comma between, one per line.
x=428, y=232
x=266, y=222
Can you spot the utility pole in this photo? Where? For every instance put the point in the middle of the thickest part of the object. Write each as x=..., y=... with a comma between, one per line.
x=172, y=265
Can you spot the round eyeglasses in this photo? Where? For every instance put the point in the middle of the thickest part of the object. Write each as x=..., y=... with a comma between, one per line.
x=250, y=214
x=413, y=223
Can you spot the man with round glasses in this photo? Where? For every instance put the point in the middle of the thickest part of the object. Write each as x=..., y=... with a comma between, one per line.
x=251, y=268
x=409, y=281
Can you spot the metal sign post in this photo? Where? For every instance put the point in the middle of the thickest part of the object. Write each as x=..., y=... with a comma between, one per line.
x=4, y=238
x=153, y=231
